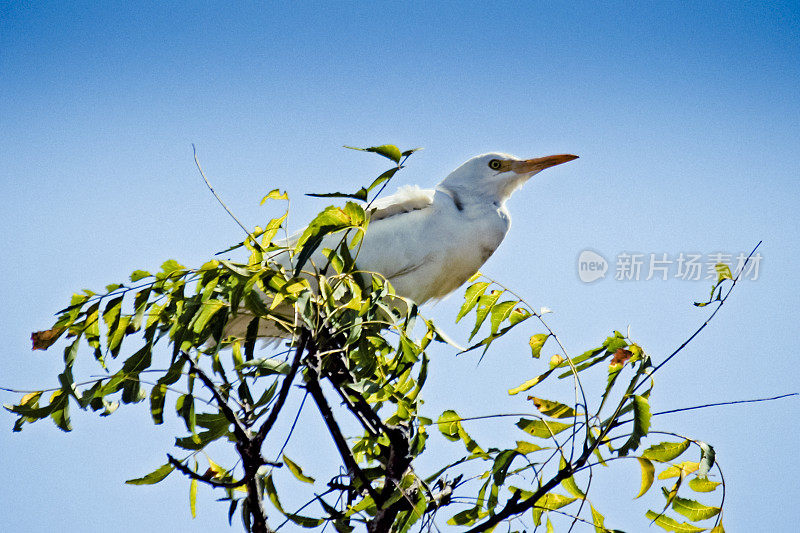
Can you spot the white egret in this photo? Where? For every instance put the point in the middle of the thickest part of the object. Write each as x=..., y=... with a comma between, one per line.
x=428, y=242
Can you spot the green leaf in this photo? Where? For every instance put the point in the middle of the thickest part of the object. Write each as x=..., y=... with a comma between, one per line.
x=295, y=469
x=138, y=275
x=502, y=462
x=679, y=470
x=641, y=424
x=185, y=408
x=723, y=272
x=544, y=429
x=153, y=477
x=448, y=424
x=701, y=484
x=518, y=315
x=466, y=517
x=193, y=497
x=158, y=394
x=553, y=501
x=169, y=266
x=597, y=520
x=471, y=296
x=207, y=311
x=525, y=447
x=530, y=383
x=693, y=510
x=385, y=176
x=648, y=476
x=200, y=440
x=485, y=304
x=388, y=151
x=670, y=524
x=275, y=194
x=553, y=409
x=665, y=451
x=266, y=366
x=500, y=312
x=139, y=361
x=537, y=342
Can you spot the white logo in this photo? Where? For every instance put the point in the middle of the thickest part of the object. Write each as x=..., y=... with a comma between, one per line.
x=591, y=266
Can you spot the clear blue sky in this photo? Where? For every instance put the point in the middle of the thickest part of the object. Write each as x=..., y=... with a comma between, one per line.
x=686, y=121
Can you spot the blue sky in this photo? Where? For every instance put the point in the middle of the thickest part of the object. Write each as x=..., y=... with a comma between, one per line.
x=686, y=120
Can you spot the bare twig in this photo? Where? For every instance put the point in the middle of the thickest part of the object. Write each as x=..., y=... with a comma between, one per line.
x=284, y=392
x=717, y=404
x=294, y=424
x=239, y=429
x=704, y=324
x=199, y=168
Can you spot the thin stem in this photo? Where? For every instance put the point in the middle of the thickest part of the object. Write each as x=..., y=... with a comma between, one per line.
x=239, y=429
x=194, y=475
x=711, y=316
x=210, y=188
x=294, y=425
x=284, y=392
x=717, y=404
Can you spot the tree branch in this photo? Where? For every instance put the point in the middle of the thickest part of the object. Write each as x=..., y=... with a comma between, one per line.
x=284, y=392
x=516, y=507
x=313, y=387
x=194, y=475
x=239, y=429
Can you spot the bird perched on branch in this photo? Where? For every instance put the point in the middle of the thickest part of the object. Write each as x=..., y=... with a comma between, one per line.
x=428, y=242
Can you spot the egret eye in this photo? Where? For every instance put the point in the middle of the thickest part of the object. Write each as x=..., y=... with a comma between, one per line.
x=495, y=164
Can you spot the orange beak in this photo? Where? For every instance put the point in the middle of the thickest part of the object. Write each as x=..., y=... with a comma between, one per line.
x=540, y=163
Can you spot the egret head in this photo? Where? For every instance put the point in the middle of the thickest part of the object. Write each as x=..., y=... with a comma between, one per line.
x=497, y=175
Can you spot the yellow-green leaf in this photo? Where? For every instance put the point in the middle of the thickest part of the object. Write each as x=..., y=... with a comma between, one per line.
x=137, y=275
x=553, y=409
x=530, y=383
x=153, y=477
x=536, y=343
x=525, y=447
x=681, y=469
x=500, y=312
x=448, y=424
x=648, y=471
x=295, y=469
x=275, y=194
x=693, y=510
x=471, y=296
x=665, y=451
x=553, y=501
x=597, y=520
x=544, y=429
x=193, y=497
x=670, y=524
x=723, y=272
x=701, y=484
